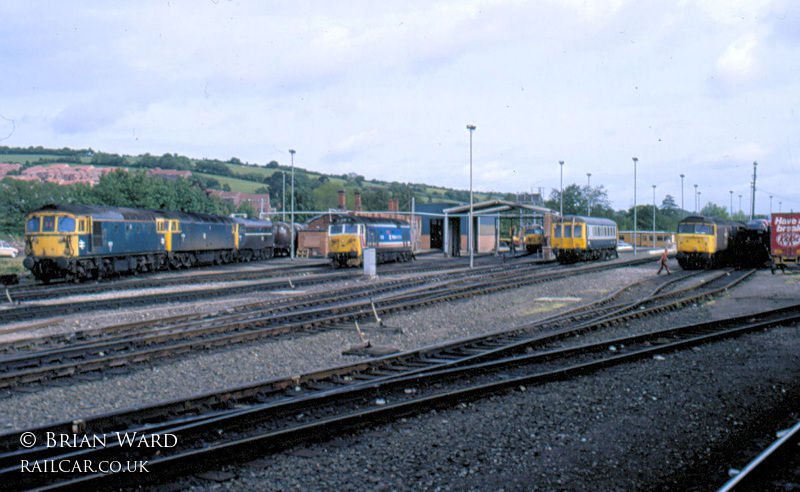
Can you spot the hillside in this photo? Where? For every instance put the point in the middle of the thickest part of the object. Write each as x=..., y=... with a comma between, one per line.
x=314, y=190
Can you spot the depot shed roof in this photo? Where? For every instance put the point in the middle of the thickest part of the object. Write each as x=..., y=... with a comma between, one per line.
x=491, y=207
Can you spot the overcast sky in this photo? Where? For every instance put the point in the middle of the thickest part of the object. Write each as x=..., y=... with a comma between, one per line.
x=386, y=89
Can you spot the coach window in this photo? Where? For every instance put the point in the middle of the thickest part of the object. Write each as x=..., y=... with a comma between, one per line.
x=32, y=225
x=66, y=224
x=568, y=230
x=557, y=231
x=578, y=231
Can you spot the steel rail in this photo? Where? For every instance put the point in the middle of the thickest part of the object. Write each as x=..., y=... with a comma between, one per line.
x=763, y=473
x=407, y=362
x=59, y=363
x=36, y=311
x=248, y=433
x=38, y=292
x=243, y=311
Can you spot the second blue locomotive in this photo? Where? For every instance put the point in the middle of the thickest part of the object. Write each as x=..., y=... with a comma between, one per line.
x=78, y=242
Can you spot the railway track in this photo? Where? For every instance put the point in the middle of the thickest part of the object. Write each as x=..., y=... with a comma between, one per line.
x=36, y=292
x=58, y=357
x=777, y=468
x=247, y=422
x=30, y=291
x=277, y=278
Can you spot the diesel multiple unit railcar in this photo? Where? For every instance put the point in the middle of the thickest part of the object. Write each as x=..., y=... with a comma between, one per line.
x=77, y=242
x=575, y=238
x=349, y=235
x=706, y=242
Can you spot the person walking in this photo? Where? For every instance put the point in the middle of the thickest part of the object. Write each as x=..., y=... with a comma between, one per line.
x=663, y=262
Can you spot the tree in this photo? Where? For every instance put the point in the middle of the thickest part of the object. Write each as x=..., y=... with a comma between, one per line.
x=714, y=210
x=575, y=201
x=19, y=198
x=213, y=167
x=247, y=209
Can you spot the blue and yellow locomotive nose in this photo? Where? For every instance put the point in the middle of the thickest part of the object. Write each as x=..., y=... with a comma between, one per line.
x=51, y=236
x=345, y=245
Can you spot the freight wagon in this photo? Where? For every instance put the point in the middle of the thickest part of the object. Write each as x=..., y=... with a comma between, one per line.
x=785, y=241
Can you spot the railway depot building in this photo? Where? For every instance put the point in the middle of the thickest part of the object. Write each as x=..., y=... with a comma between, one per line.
x=450, y=233
x=434, y=226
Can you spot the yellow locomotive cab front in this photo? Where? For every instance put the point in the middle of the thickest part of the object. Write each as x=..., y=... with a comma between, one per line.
x=344, y=245
x=53, y=235
x=697, y=245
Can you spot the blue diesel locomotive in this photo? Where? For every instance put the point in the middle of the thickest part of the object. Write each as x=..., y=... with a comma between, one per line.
x=348, y=236
x=78, y=242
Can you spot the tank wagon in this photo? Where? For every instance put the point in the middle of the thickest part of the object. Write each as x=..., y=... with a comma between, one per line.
x=349, y=235
x=707, y=242
x=576, y=238
x=78, y=242
x=751, y=248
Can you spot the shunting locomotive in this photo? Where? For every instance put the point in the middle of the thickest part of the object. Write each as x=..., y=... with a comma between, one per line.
x=533, y=238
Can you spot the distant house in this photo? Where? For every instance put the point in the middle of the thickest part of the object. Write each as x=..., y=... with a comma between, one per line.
x=169, y=174
x=64, y=174
x=7, y=168
x=259, y=202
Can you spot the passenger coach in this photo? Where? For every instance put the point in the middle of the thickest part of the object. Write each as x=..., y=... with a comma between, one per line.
x=575, y=238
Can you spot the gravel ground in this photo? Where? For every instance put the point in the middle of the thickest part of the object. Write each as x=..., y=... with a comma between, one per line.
x=656, y=425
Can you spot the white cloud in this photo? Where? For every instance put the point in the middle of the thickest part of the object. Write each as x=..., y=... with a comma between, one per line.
x=739, y=61
x=385, y=90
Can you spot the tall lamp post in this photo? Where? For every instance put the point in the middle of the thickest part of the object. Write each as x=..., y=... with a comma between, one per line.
x=753, y=196
x=698, y=201
x=683, y=214
x=731, y=192
x=283, y=207
x=770, y=207
x=654, y=216
x=695, y=198
x=291, y=231
x=635, y=160
x=589, y=194
x=471, y=129
x=561, y=193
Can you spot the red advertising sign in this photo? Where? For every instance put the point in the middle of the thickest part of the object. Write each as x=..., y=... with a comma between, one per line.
x=785, y=235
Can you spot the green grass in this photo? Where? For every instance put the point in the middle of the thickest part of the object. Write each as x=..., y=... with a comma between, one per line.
x=22, y=158
x=235, y=184
x=12, y=265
